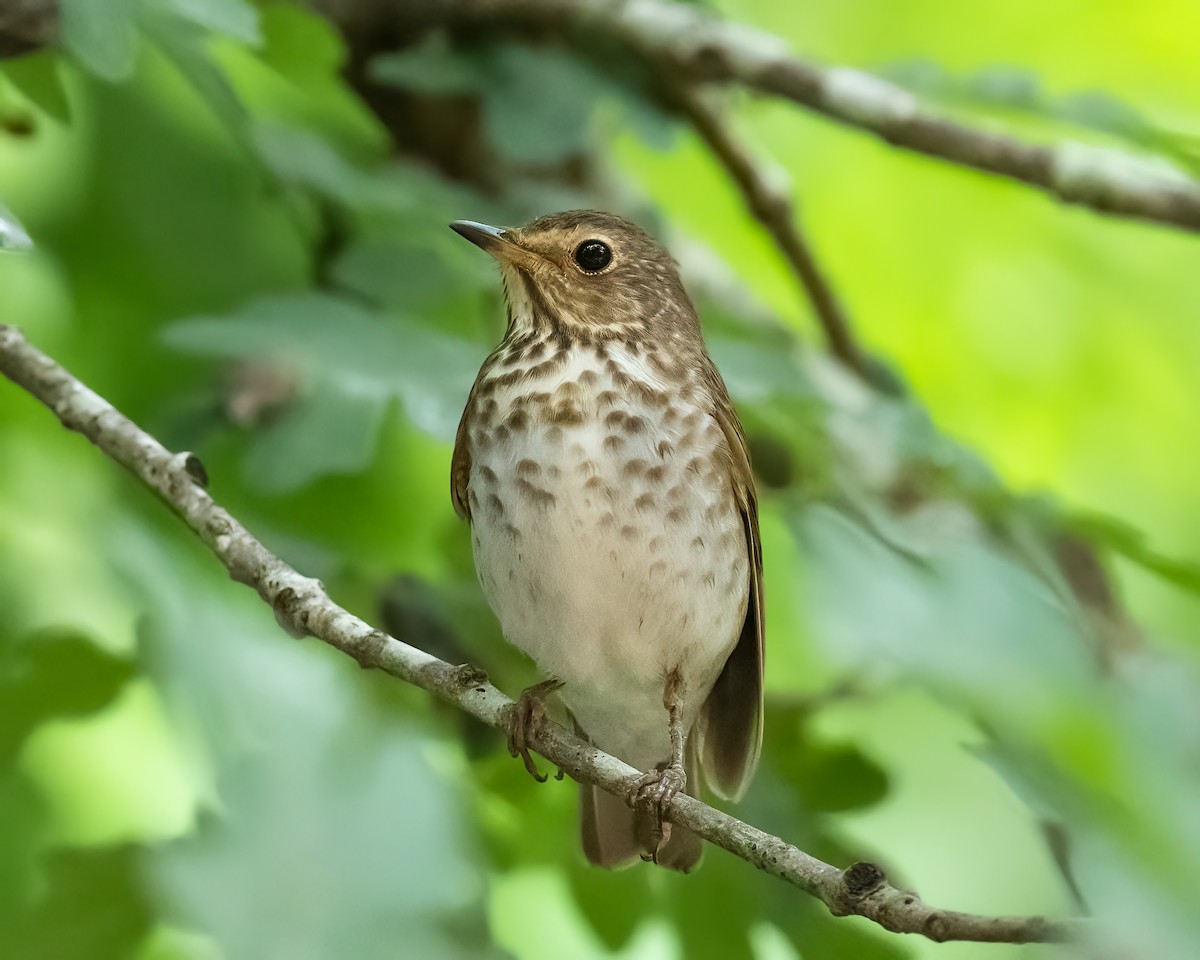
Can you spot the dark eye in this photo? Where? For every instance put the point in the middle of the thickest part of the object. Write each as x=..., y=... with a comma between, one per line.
x=593, y=255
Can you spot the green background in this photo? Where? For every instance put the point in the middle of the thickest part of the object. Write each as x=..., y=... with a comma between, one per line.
x=982, y=587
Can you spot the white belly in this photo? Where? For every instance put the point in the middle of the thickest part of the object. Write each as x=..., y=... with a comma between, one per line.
x=612, y=551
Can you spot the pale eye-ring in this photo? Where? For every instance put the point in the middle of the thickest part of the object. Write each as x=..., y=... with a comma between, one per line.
x=593, y=255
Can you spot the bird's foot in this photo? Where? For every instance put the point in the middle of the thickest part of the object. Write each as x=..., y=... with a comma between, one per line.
x=655, y=790
x=528, y=715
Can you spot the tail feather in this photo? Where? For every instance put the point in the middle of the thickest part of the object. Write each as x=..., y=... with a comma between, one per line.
x=615, y=835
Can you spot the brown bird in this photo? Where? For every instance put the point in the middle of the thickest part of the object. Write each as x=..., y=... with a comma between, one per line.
x=608, y=485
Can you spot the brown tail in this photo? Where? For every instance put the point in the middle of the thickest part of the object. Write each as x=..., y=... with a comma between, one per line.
x=614, y=835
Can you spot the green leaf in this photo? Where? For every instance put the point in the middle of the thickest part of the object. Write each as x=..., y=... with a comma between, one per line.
x=93, y=906
x=300, y=43
x=1102, y=111
x=329, y=431
x=53, y=673
x=300, y=158
x=538, y=104
x=1006, y=85
x=1133, y=546
x=338, y=831
x=37, y=77
x=233, y=18
x=614, y=911
x=351, y=361
x=432, y=67
x=963, y=618
x=184, y=43
x=102, y=36
x=415, y=278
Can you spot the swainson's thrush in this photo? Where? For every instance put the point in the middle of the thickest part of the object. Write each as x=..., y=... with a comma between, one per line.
x=606, y=478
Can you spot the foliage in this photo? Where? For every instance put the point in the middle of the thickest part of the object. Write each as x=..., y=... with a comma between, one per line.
x=246, y=251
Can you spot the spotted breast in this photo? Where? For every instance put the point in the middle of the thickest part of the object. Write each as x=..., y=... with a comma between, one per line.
x=606, y=538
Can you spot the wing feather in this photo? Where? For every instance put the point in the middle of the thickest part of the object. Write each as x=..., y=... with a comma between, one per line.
x=732, y=718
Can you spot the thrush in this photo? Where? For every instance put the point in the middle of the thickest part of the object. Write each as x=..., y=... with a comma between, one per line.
x=614, y=521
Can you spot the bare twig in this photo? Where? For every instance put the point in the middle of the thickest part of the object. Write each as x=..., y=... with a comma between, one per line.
x=695, y=46
x=772, y=207
x=302, y=606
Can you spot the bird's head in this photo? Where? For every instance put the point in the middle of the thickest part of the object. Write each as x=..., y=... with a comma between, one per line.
x=587, y=275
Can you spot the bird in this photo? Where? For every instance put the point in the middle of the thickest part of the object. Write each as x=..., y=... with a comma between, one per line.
x=607, y=481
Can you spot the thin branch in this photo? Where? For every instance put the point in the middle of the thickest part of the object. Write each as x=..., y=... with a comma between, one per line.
x=302, y=607
x=772, y=207
x=696, y=47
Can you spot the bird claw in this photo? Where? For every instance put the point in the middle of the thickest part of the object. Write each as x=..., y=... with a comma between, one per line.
x=654, y=790
x=524, y=721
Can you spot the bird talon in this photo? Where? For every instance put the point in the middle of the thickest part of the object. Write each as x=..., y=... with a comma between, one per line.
x=524, y=720
x=654, y=791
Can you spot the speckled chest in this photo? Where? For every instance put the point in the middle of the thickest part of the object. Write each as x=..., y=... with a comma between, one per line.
x=606, y=535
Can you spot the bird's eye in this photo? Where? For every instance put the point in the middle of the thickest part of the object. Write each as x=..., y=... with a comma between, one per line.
x=593, y=255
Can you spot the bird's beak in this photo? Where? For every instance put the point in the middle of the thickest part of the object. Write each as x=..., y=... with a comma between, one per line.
x=499, y=243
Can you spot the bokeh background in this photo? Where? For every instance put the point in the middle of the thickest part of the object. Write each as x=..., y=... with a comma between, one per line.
x=981, y=568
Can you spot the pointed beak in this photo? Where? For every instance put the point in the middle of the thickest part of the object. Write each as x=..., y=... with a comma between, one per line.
x=480, y=234
x=499, y=243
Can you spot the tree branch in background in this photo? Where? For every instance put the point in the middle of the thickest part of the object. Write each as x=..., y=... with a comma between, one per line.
x=697, y=47
x=302, y=607
x=770, y=204
x=26, y=25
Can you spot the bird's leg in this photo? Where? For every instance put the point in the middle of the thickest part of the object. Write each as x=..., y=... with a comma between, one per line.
x=656, y=788
x=528, y=713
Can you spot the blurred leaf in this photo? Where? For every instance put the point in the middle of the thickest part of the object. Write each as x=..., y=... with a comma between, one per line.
x=714, y=912
x=537, y=100
x=234, y=18
x=301, y=159
x=923, y=76
x=825, y=777
x=102, y=36
x=299, y=43
x=53, y=673
x=327, y=431
x=1102, y=111
x=1006, y=84
x=425, y=271
x=184, y=43
x=297, y=78
x=341, y=824
x=353, y=361
x=614, y=910
x=964, y=619
x=432, y=67
x=37, y=77
x=92, y=906
x=1132, y=545
x=564, y=90
x=23, y=818
x=392, y=270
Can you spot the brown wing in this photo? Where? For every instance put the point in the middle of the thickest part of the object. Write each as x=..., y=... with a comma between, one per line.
x=460, y=462
x=732, y=717
x=460, y=467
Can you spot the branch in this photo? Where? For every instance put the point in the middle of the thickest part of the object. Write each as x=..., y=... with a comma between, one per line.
x=302, y=607
x=772, y=208
x=27, y=25
x=697, y=47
